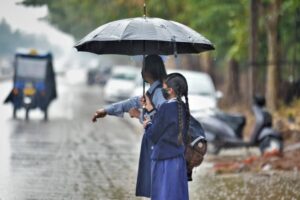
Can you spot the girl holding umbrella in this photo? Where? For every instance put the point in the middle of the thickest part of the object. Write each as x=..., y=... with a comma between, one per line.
x=154, y=73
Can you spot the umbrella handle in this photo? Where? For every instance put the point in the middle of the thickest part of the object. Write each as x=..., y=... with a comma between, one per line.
x=175, y=52
x=144, y=82
x=144, y=88
x=174, y=46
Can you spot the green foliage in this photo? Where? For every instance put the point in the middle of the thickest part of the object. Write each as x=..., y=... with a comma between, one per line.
x=290, y=29
x=79, y=17
x=224, y=22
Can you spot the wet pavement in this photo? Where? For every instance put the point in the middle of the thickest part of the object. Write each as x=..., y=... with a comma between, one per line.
x=69, y=157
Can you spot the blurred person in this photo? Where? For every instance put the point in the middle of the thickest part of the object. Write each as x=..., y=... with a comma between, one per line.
x=153, y=73
x=167, y=130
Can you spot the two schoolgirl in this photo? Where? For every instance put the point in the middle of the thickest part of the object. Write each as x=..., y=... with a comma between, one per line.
x=152, y=161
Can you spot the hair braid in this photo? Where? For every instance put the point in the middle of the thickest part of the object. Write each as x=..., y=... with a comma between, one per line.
x=179, y=84
x=180, y=114
x=188, y=114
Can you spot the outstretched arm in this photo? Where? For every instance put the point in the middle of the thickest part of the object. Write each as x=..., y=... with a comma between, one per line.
x=117, y=109
x=101, y=113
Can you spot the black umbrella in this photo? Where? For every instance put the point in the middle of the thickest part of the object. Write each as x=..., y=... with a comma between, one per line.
x=144, y=36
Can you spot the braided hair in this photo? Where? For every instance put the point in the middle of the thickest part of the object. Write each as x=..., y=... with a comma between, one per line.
x=178, y=83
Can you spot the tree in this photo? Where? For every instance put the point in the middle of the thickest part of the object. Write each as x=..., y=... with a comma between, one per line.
x=232, y=89
x=78, y=17
x=253, y=48
x=271, y=11
x=225, y=23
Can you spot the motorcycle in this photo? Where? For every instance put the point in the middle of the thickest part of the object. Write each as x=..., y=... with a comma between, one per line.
x=225, y=130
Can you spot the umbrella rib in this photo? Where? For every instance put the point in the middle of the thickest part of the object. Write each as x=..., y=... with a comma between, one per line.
x=107, y=25
x=101, y=30
x=180, y=29
x=155, y=27
x=127, y=25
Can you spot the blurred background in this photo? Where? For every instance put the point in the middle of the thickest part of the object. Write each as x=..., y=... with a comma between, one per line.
x=55, y=152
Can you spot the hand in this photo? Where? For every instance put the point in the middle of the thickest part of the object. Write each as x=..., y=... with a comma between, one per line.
x=143, y=101
x=134, y=113
x=146, y=121
x=101, y=113
x=149, y=107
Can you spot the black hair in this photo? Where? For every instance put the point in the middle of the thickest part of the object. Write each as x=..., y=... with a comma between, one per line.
x=154, y=67
x=178, y=83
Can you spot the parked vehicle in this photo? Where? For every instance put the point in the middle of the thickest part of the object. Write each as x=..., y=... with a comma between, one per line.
x=138, y=88
x=121, y=83
x=203, y=96
x=34, y=82
x=98, y=75
x=225, y=130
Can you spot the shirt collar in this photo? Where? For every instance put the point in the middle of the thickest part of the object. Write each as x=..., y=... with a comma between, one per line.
x=153, y=86
x=172, y=100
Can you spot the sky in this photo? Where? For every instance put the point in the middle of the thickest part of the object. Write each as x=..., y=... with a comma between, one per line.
x=27, y=19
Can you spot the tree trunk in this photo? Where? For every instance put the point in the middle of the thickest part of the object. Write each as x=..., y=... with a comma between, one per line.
x=271, y=12
x=253, y=50
x=206, y=63
x=232, y=90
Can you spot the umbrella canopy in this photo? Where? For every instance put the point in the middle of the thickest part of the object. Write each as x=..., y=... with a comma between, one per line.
x=144, y=36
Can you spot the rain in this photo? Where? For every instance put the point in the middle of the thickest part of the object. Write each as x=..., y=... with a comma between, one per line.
x=56, y=71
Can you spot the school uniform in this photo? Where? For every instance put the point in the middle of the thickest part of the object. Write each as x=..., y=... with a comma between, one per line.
x=143, y=185
x=168, y=166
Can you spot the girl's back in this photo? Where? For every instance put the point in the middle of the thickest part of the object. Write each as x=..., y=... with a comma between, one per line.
x=164, y=131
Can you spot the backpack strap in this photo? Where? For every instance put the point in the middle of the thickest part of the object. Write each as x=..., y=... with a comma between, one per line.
x=151, y=94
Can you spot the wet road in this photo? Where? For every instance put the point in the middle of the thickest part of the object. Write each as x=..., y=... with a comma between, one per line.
x=69, y=157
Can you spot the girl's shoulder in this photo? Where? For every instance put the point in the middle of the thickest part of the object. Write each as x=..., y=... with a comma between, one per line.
x=172, y=105
x=168, y=104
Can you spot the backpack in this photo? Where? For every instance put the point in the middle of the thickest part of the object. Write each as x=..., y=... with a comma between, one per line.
x=196, y=146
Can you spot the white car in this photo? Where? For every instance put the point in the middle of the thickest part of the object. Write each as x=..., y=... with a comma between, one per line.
x=203, y=96
x=138, y=89
x=121, y=83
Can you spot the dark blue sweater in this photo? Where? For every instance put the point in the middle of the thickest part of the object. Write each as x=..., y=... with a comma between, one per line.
x=163, y=131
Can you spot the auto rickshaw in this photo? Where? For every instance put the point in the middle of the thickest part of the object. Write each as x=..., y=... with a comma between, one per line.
x=34, y=82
